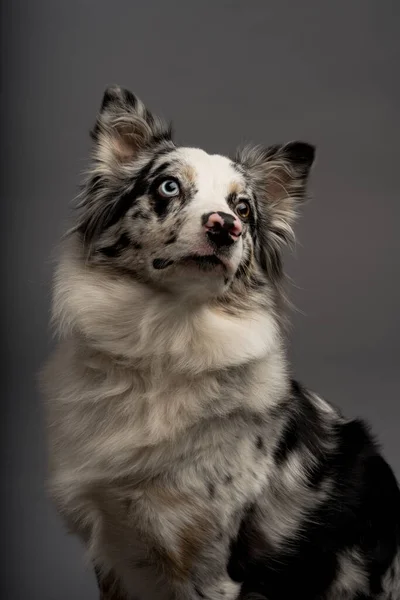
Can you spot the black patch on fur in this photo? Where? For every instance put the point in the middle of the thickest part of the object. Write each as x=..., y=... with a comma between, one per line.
x=140, y=214
x=296, y=388
x=259, y=443
x=228, y=479
x=257, y=419
x=362, y=511
x=161, y=263
x=140, y=188
x=116, y=249
x=128, y=503
x=117, y=96
x=160, y=206
x=163, y=136
x=317, y=473
x=270, y=258
x=171, y=240
x=115, y=207
x=301, y=154
x=287, y=443
x=160, y=170
x=211, y=489
x=243, y=270
x=302, y=427
x=231, y=200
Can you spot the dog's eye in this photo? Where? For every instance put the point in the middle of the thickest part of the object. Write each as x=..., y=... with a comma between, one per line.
x=169, y=188
x=243, y=209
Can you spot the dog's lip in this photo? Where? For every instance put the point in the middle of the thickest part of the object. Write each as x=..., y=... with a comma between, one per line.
x=205, y=260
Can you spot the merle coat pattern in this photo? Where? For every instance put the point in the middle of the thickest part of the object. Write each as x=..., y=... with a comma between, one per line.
x=182, y=452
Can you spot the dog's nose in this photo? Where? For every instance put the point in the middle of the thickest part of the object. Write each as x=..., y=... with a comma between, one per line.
x=223, y=229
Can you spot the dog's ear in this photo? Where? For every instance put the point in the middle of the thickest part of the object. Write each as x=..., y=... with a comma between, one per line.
x=125, y=127
x=126, y=136
x=279, y=174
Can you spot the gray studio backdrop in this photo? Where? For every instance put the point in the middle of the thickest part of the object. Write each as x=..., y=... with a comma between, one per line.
x=226, y=72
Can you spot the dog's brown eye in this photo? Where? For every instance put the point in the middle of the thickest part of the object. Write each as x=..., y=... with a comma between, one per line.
x=243, y=209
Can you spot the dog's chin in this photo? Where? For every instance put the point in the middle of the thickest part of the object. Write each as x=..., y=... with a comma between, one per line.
x=206, y=264
x=198, y=276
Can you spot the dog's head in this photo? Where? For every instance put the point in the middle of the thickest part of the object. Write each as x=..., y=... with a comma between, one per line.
x=180, y=219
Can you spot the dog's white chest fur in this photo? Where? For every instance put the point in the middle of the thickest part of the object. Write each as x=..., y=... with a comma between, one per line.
x=124, y=433
x=172, y=368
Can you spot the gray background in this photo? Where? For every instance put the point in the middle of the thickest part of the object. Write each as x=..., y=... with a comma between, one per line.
x=226, y=73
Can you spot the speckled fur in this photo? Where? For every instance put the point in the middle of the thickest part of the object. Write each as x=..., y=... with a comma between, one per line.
x=181, y=452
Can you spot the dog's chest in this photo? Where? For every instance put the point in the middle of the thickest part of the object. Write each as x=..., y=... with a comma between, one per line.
x=122, y=421
x=171, y=433
x=168, y=461
x=193, y=506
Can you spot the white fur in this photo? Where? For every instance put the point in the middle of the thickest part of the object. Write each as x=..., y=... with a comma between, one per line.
x=133, y=323
x=352, y=577
x=135, y=370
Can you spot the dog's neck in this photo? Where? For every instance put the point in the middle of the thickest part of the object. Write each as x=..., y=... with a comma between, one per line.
x=162, y=366
x=134, y=324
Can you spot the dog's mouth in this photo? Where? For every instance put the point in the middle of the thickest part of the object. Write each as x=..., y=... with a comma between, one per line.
x=205, y=263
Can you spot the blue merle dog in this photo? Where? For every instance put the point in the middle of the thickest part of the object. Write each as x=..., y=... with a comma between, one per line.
x=182, y=452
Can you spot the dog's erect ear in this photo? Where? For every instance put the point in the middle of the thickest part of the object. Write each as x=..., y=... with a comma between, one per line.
x=279, y=174
x=126, y=136
x=125, y=127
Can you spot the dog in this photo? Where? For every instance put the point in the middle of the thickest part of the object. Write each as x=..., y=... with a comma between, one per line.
x=182, y=451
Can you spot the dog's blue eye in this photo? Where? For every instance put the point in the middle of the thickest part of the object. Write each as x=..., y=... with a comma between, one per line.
x=169, y=188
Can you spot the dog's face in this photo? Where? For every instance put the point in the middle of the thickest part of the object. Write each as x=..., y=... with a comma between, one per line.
x=179, y=218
